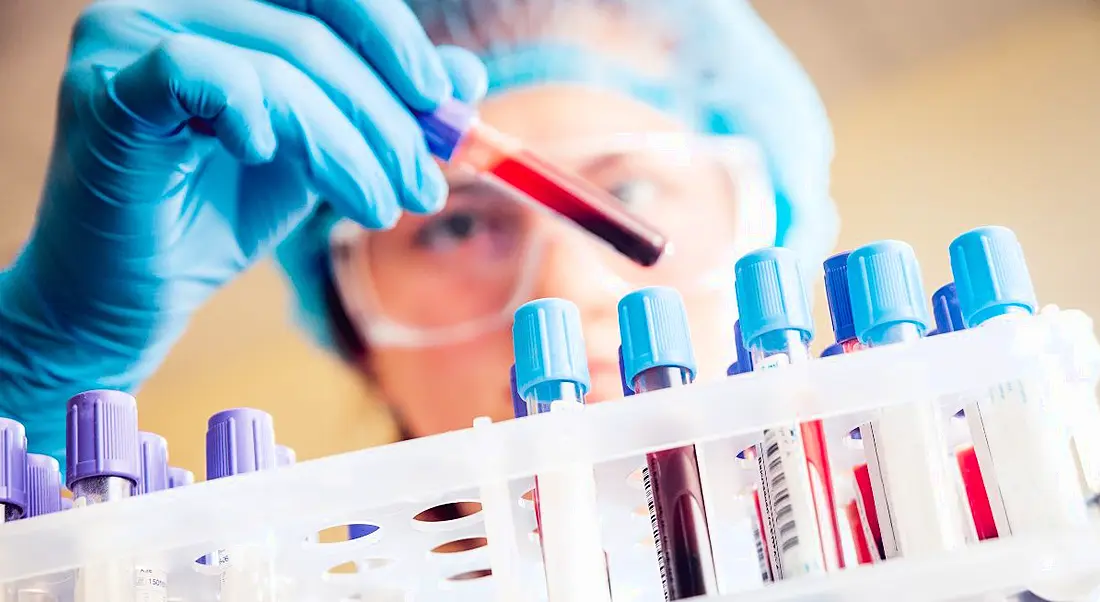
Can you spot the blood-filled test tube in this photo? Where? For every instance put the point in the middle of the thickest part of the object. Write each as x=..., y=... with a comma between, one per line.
x=455, y=135
x=839, y=300
x=657, y=354
x=794, y=474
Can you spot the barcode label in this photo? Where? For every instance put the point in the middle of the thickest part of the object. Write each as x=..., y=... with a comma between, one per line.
x=758, y=535
x=650, y=495
x=794, y=540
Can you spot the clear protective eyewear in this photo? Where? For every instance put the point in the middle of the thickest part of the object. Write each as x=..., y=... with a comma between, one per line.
x=450, y=277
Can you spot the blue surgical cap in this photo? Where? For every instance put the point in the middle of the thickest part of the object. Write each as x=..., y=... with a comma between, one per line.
x=727, y=74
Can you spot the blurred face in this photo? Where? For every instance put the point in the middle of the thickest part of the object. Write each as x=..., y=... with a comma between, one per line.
x=486, y=253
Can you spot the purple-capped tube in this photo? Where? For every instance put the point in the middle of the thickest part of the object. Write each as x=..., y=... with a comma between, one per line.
x=43, y=485
x=945, y=310
x=180, y=477
x=239, y=441
x=154, y=463
x=834, y=349
x=519, y=405
x=285, y=456
x=66, y=503
x=102, y=446
x=13, y=469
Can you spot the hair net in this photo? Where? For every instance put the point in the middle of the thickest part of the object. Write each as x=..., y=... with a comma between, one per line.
x=718, y=66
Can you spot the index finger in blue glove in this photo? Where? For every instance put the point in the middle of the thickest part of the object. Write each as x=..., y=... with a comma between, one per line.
x=388, y=35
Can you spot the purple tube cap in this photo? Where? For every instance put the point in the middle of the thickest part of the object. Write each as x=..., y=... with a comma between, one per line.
x=154, y=463
x=13, y=464
x=66, y=503
x=43, y=485
x=239, y=441
x=285, y=456
x=445, y=127
x=102, y=436
x=179, y=477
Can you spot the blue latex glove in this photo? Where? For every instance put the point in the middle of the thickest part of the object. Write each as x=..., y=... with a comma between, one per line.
x=142, y=219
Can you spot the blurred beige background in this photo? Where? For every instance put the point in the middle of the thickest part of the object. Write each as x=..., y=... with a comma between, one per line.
x=948, y=114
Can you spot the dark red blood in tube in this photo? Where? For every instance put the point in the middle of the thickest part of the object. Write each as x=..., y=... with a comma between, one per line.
x=584, y=204
x=867, y=498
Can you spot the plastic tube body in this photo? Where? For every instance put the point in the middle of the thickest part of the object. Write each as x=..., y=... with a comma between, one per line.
x=110, y=581
x=674, y=493
x=907, y=458
x=1024, y=455
x=567, y=514
x=794, y=497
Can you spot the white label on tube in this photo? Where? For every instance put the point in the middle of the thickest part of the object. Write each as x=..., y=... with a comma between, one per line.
x=773, y=361
x=793, y=536
x=150, y=584
x=1024, y=456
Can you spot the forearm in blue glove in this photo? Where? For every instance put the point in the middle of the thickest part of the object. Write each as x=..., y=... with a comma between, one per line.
x=141, y=219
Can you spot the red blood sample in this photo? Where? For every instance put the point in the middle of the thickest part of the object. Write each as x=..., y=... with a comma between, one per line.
x=980, y=509
x=585, y=204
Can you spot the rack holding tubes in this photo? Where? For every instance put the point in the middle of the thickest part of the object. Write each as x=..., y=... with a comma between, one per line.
x=277, y=511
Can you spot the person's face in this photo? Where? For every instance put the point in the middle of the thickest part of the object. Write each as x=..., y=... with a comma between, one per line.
x=444, y=387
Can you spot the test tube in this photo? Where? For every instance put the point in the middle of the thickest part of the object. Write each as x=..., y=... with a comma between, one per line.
x=777, y=327
x=13, y=470
x=657, y=354
x=552, y=375
x=150, y=581
x=455, y=135
x=907, y=455
x=240, y=441
x=948, y=318
x=66, y=503
x=743, y=365
x=945, y=310
x=102, y=466
x=43, y=485
x=519, y=405
x=179, y=477
x=839, y=299
x=1020, y=439
x=285, y=456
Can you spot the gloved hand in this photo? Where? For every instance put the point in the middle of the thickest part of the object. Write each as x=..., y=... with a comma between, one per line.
x=142, y=218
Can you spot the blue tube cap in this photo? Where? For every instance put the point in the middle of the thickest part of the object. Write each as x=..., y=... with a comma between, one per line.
x=744, y=359
x=840, y=300
x=834, y=349
x=653, y=327
x=991, y=275
x=771, y=294
x=945, y=310
x=885, y=283
x=549, y=345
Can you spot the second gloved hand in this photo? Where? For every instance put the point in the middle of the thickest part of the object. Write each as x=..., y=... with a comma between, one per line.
x=142, y=218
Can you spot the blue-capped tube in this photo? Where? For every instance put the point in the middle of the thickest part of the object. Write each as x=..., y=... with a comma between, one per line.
x=551, y=375
x=916, y=498
x=795, y=480
x=1021, y=438
x=945, y=310
x=657, y=354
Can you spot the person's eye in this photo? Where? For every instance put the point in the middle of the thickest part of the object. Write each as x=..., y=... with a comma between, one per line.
x=449, y=230
x=635, y=192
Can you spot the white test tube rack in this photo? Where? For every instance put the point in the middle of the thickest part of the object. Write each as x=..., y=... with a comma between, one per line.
x=276, y=512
